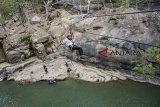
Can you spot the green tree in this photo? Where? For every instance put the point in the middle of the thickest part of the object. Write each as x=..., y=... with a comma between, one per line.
x=152, y=63
x=6, y=9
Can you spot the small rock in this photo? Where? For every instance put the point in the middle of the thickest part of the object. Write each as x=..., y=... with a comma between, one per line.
x=36, y=20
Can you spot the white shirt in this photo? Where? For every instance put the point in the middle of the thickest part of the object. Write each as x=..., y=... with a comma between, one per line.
x=67, y=42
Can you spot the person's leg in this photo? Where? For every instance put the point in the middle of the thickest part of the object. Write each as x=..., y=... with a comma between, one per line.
x=79, y=49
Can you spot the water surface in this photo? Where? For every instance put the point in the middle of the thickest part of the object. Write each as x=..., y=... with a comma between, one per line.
x=73, y=93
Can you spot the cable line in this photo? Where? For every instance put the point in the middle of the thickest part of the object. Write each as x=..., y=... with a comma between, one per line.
x=124, y=40
x=149, y=11
x=128, y=13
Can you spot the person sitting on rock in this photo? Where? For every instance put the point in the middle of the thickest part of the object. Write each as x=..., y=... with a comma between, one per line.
x=68, y=42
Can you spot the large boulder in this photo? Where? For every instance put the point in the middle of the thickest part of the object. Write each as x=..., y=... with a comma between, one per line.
x=18, y=54
x=12, y=42
x=39, y=50
x=58, y=13
x=57, y=33
x=14, y=48
x=14, y=56
x=40, y=36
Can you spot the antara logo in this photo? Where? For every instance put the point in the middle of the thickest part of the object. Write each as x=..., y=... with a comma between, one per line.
x=106, y=52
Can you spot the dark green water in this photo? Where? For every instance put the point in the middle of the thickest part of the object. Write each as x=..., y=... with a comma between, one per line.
x=73, y=93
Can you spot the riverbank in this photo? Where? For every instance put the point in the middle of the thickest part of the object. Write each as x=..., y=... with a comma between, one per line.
x=33, y=70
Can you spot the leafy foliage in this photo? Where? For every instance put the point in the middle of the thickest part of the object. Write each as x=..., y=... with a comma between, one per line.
x=152, y=53
x=125, y=3
x=141, y=3
x=25, y=37
x=149, y=68
x=84, y=2
x=65, y=5
x=6, y=7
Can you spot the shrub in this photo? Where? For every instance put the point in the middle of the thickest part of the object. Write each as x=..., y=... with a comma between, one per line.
x=25, y=37
x=65, y=5
x=150, y=67
x=84, y=2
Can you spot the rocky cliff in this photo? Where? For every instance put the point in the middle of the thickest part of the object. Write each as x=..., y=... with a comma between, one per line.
x=41, y=39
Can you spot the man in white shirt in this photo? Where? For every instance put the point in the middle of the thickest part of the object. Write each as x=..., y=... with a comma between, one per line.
x=68, y=42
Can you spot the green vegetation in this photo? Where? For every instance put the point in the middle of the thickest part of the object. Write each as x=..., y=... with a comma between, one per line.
x=150, y=67
x=9, y=7
x=6, y=7
x=25, y=37
x=128, y=3
x=152, y=53
x=84, y=2
x=65, y=5
x=120, y=3
x=141, y=3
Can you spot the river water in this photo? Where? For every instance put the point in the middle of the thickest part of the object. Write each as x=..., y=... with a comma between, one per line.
x=73, y=93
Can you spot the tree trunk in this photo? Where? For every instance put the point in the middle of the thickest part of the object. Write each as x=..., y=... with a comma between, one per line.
x=46, y=6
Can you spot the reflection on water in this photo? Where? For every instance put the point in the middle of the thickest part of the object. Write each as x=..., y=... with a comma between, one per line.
x=73, y=93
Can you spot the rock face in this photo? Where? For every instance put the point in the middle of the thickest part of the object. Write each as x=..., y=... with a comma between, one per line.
x=40, y=50
x=40, y=36
x=57, y=70
x=15, y=49
x=93, y=34
x=2, y=55
x=57, y=32
x=116, y=34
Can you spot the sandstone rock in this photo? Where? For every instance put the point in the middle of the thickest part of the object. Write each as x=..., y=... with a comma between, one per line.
x=35, y=20
x=49, y=50
x=56, y=70
x=2, y=54
x=40, y=36
x=52, y=56
x=97, y=40
x=14, y=56
x=53, y=47
x=57, y=33
x=40, y=50
x=2, y=33
x=72, y=19
x=59, y=13
x=12, y=42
